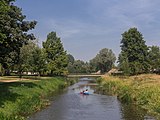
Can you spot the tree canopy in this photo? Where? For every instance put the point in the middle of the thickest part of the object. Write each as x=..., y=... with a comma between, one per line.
x=56, y=55
x=104, y=60
x=70, y=58
x=133, y=58
x=13, y=30
x=154, y=58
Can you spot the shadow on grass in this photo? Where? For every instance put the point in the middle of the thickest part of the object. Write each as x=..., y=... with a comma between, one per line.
x=8, y=91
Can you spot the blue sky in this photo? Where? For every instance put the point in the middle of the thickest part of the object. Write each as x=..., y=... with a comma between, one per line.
x=87, y=26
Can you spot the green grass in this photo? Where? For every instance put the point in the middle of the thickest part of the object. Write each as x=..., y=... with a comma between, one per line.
x=20, y=99
x=144, y=92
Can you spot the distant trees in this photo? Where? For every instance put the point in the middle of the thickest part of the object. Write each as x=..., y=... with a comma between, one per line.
x=154, y=58
x=71, y=61
x=133, y=58
x=76, y=66
x=70, y=58
x=103, y=61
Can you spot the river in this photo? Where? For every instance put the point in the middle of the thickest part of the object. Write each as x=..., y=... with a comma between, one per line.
x=70, y=105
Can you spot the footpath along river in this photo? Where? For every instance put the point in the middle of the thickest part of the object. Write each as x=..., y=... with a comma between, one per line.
x=70, y=105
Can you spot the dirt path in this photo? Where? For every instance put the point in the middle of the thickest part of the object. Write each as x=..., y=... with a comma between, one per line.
x=8, y=80
x=16, y=80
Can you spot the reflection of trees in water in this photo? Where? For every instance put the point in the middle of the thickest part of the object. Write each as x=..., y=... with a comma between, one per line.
x=132, y=112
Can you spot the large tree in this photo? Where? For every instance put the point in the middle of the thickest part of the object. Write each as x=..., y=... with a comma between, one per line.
x=56, y=55
x=13, y=31
x=133, y=58
x=104, y=60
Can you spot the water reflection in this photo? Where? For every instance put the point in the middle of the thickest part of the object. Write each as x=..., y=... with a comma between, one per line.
x=72, y=105
x=131, y=111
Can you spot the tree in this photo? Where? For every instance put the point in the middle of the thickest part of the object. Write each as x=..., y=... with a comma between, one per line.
x=38, y=60
x=56, y=56
x=71, y=61
x=13, y=31
x=154, y=58
x=70, y=58
x=104, y=60
x=25, y=56
x=134, y=53
x=32, y=58
x=93, y=65
x=124, y=64
x=78, y=66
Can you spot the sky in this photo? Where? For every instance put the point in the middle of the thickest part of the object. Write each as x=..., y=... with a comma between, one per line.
x=87, y=26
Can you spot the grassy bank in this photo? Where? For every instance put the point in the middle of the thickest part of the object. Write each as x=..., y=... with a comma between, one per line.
x=19, y=99
x=143, y=90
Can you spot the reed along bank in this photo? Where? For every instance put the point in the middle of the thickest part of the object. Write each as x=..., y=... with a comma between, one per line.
x=142, y=90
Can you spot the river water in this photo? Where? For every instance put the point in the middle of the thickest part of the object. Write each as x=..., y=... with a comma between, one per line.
x=71, y=105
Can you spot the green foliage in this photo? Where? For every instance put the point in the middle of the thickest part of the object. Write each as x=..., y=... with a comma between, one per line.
x=56, y=56
x=134, y=53
x=70, y=58
x=104, y=60
x=25, y=56
x=31, y=59
x=38, y=60
x=154, y=58
x=1, y=70
x=124, y=64
x=13, y=31
x=79, y=66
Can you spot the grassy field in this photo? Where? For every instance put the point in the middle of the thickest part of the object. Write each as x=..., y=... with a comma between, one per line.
x=143, y=90
x=19, y=98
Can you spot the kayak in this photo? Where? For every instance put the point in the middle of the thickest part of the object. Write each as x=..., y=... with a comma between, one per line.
x=84, y=93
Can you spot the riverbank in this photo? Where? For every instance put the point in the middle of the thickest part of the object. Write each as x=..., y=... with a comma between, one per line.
x=21, y=98
x=142, y=90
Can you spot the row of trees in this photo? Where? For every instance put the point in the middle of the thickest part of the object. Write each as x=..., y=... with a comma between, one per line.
x=135, y=57
x=49, y=60
x=103, y=62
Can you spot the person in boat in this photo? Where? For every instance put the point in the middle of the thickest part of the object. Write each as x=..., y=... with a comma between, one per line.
x=82, y=92
x=86, y=92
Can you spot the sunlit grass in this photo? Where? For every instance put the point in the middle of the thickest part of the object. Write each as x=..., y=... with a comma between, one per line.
x=19, y=99
x=143, y=90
